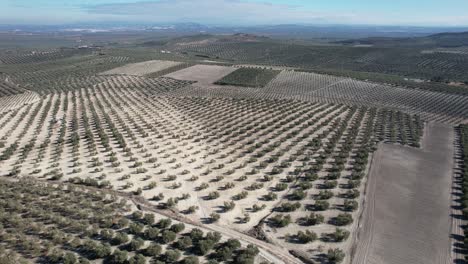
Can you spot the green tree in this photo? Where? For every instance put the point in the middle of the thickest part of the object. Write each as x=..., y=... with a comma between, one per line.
x=137, y=259
x=118, y=257
x=119, y=238
x=335, y=255
x=135, y=244
x=343, y=219
x=171, y=256
x=190, y=260
x=168, y=236
x=306, y=237
x=148, y=219
x=69, y=258
x=153, y=250
x=151, y=233
x=164, y=223
x=177, y=228
x=183, y=243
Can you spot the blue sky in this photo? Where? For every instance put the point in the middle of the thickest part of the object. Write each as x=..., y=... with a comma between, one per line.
x=241, y=12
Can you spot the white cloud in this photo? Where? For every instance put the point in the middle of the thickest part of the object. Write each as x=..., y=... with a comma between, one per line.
x=217, y=11
x=235, y=12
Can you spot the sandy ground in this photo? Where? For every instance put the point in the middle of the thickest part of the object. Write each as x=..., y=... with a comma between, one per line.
x=407, y=217
x=16, y=101
x=202, y=74
x=142, y=68
x=303, y=83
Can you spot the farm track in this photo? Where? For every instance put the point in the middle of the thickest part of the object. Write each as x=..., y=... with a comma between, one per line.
x=369, y=210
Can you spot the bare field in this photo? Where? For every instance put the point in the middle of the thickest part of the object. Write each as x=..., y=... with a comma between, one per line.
x=142, y=68
x=202, y=74
x=407, y=216
x=305, y=83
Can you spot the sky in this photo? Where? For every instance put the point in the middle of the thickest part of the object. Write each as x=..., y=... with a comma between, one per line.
x=238, y=12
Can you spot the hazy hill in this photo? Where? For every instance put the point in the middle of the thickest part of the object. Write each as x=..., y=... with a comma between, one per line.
x=436, y=40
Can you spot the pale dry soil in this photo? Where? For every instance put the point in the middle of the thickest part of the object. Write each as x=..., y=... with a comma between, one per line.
x=202, y=74
x=407, y=216
x=16, y=101
x=142, y=68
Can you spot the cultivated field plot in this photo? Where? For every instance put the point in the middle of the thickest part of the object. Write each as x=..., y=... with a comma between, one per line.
x=407, y=218
x=249, y=77
x=69, y=224
x=402, y=61
x=458, y=50
x=436, y=106
x=175, y=68
x=303, y=83
x=221, y=91
x=290, y=171
x=202, y=74
x=143, y=68
x=12, y=102
x=7, y=88
x=433, y=106
x=286, y=163
x=34, y=56
x=63, y=74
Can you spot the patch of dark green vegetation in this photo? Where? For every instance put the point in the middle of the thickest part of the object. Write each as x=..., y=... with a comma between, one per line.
x=249, y=77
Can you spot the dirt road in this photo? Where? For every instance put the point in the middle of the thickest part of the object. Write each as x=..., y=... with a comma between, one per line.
x=407, y=216
x=272, y=253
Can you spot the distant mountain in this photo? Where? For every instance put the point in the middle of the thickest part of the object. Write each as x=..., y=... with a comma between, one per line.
x=450, y=39
x=207, y=39
x=285, y=31
x=442, y=40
